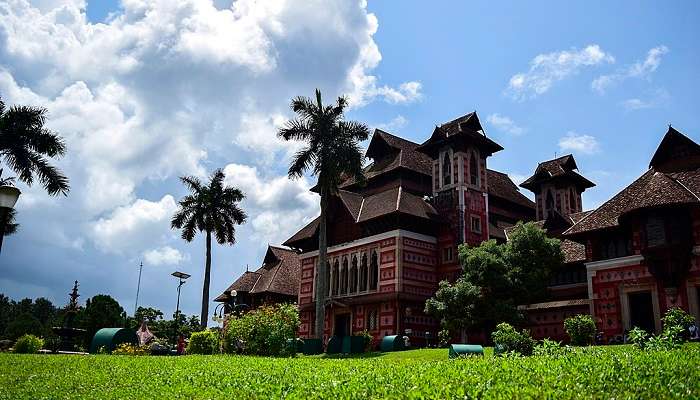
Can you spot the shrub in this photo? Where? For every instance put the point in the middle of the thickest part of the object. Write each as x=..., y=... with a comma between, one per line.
x=638, y=337
x=443, y=338
x=367, y=339
x=676, y=317
x=127, y=349
x=204, y=342
x=508, y=339
x=670, y=338
x=549, y=348
x=263, y=331
x=580, y=329
x=28, y=344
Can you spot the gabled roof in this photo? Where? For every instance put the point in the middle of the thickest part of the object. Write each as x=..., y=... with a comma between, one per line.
x=280, y=273
x=500, y=185
x=465, y=128
x=652, y=189
x=563, y=167
x=390, y=152
x=362, y=209
x=674, y=146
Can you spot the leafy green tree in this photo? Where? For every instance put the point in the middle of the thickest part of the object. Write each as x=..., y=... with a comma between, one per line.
x=331, y=153
x=101, y=311
x=24, y=323
x=214, y=209
x=148, y=314
x=495, y=279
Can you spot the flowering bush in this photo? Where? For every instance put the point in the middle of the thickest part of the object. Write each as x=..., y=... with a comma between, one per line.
x=28, y=344
x=128, y=349
x=263, y=331
x=204, y=342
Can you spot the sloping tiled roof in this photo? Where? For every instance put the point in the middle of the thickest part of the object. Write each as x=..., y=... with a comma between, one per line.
x=402, y=154
x=652, y=189
x=467, y=126
x=673, y=146
x=243, y=284
x=280, y=273
x=502, y=186
x=395, y=200
x=563, y=166
x=306, y=232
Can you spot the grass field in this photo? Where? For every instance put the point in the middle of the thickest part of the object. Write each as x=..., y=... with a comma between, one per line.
x=606, y=372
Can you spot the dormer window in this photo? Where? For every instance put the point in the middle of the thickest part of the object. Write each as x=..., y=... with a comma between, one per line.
x=446, y=168
x=474, y=170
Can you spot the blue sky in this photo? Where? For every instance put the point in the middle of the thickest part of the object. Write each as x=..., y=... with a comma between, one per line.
x=147, y=91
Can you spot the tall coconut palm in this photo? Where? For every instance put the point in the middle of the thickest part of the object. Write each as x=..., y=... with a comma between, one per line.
x=332, y=153
x=25, y=145
x=212, y=209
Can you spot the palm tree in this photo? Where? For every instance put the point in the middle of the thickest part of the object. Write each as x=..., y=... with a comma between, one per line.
x=25, y=145
x=211, y=208
x=332, y=153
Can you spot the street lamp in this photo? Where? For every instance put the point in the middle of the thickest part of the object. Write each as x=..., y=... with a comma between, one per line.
x=181, y=277
x=8, y=199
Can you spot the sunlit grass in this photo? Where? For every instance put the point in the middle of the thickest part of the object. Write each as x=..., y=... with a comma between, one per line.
x=600, y=372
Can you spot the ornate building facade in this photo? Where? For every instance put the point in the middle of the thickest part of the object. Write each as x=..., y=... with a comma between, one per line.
x=394, y=238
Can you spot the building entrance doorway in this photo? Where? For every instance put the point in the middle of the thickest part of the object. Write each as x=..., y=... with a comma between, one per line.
x=342, y=325
x=641, y=311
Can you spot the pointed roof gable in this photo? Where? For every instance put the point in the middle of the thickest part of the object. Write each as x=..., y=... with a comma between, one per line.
x=466, y=128
x=280, y=273
x=675, y=152
x=653, y=189
x=563, y=167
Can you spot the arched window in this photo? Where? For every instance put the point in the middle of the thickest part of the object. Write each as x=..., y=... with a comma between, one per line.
x=371, y=323
x=353, y=275
x=328, y=277
x=344, y=277
x=550, y=201
x=572, y=200
x=446, y=168
x=336, y=277
x=363, y=273
x=474, y=169
x=373, y=272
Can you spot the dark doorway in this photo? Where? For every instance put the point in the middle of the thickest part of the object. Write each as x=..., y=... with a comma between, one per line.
x=641, y=311
x=342, y=325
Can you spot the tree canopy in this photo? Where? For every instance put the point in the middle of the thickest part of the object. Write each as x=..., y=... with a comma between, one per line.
x=496, y=278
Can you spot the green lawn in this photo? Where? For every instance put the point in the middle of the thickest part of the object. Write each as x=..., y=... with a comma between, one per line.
x=606, y=372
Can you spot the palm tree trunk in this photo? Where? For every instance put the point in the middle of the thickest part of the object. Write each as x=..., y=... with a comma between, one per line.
x=205, y=290
x=321, y=284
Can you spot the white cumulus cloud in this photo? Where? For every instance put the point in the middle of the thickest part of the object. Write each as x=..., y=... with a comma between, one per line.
x=640, y=69
x=134, y=225
x=165, y=255
x=547, y=69
x=505, y=124
x=579, y=143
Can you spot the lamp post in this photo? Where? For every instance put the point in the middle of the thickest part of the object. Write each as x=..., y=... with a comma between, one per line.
x=8, y=199
x=181, y=277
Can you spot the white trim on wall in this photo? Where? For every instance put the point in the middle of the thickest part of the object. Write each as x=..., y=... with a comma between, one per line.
x=397, y=233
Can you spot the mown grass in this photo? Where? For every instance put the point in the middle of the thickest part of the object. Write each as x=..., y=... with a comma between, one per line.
x=606, y=372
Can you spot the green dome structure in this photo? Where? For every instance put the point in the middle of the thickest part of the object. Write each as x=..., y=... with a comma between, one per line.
x=110, y=338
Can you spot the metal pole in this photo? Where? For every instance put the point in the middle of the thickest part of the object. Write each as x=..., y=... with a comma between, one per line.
x=177, y=308
x=138, y=288
x=4, y=213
